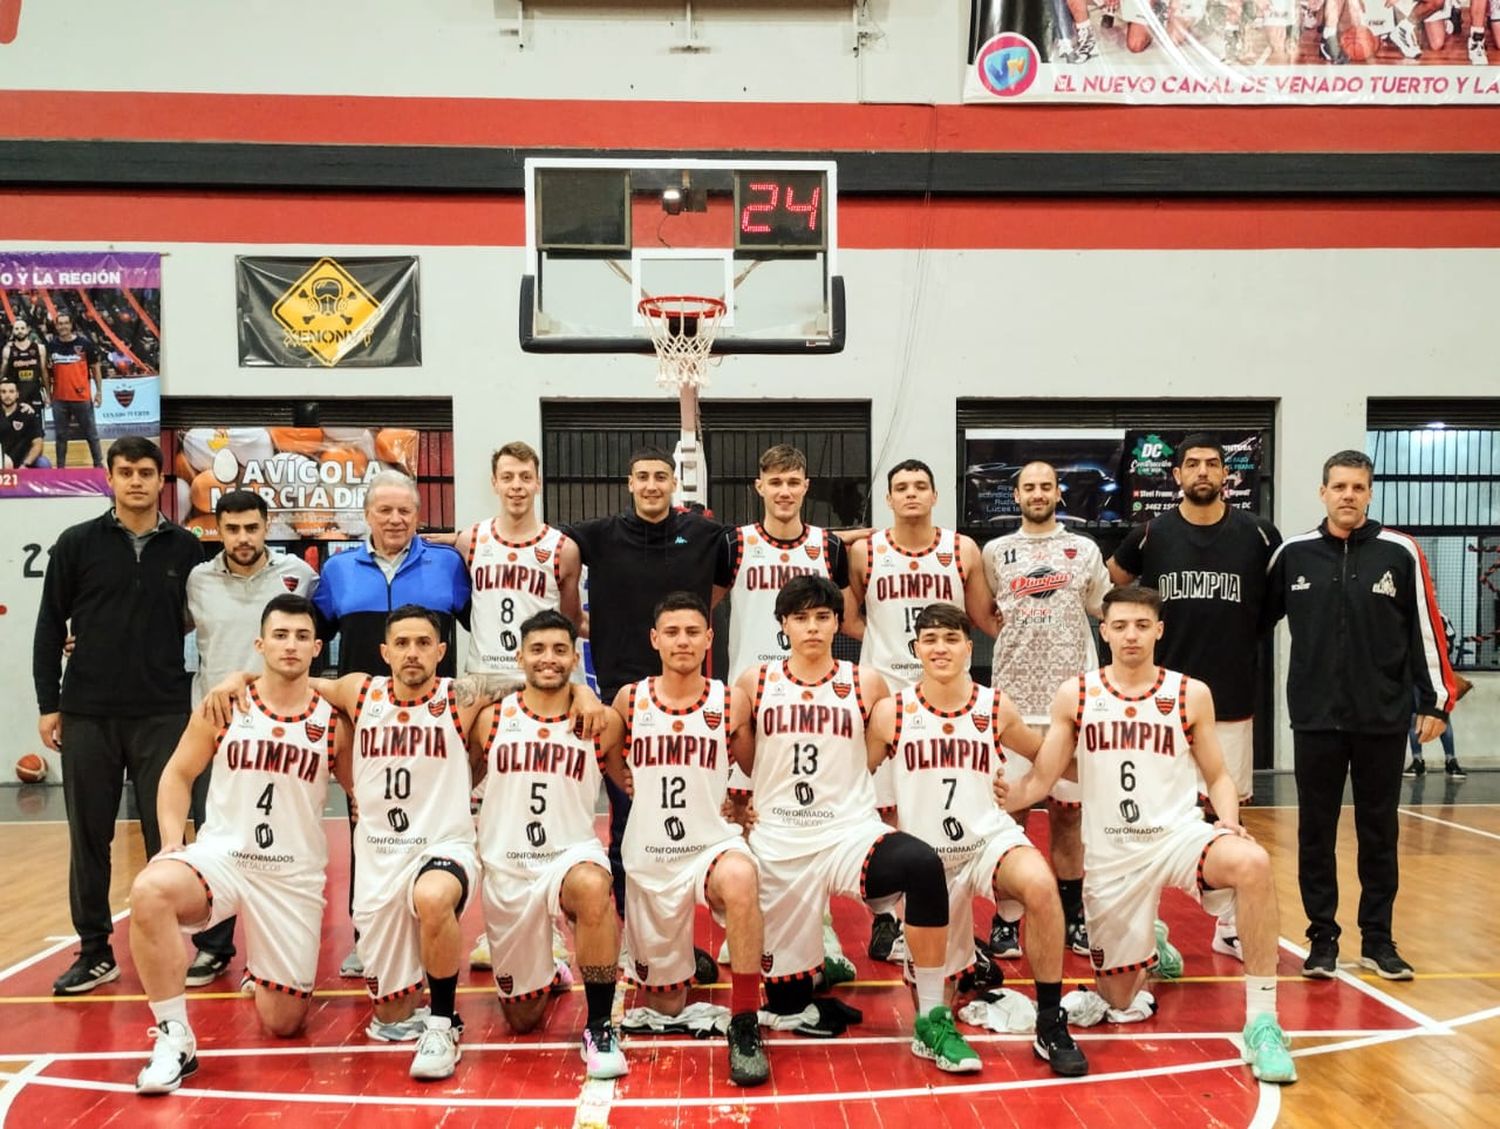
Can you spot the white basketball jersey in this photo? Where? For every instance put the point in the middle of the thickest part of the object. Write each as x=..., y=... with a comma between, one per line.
x=764, y=564
x=266, y=794
x=511, y=581
x=811, y=775
x=1044, y=587
x=944, y=766
x=411, y=780
x=1136, y=770
x=541, y=783
x=898, y=585
x=679, y=764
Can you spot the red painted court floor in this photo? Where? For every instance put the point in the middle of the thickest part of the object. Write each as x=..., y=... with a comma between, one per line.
x=73, y=1062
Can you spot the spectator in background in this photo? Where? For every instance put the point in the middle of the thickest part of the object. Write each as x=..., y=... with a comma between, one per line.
x=226, y=597
x=1418, y=766
x=74, y=363
x=121, y=580
x=392, y=568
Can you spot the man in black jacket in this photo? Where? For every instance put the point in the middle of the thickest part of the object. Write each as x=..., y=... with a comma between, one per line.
x=120, y=580
x=1366, y=630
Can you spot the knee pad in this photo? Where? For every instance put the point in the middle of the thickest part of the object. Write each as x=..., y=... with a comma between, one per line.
x=902, y=862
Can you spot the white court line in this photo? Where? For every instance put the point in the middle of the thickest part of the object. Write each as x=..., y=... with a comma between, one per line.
x=1449, y=823
x=1423, y=1020
x=13, y=1087
x=52, y=950
x=1267, y=1106
x=648, y=1042
x=1475, y=1017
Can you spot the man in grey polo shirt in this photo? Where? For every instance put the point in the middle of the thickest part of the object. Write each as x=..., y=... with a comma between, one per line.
x=225, y=598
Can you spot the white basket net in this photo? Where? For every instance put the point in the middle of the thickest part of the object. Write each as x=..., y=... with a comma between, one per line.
x=683, y=328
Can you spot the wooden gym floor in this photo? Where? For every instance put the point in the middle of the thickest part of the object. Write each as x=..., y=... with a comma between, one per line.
x=1425, y=1053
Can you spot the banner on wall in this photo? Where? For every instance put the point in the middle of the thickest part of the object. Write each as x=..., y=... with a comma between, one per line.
x=98, y=383
x=1105, y=476
x=1228, y=52
x=326, y=312
x=313, y=479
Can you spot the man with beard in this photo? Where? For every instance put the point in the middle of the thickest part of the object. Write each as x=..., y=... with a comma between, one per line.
x=24, y=358
x=1048, y=581
x=1208, y=560
x=226, y=597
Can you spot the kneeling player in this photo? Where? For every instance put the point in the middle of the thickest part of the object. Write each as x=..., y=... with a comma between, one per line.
x=944, y=736
x=679, y=850
x=261, y=853
x=818, y=833
x=538, y=846
x=1140, y=733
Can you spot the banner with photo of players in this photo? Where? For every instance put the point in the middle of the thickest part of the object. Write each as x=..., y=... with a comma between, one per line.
x=82, y=342
x=313, y=479
x=327, y=312
x=1235, y=52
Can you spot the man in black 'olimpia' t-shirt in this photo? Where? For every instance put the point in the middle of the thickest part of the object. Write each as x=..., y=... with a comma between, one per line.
x=1208, y=560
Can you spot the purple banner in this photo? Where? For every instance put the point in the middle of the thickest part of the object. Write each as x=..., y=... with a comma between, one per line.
x=27, y=483
x=24, y=270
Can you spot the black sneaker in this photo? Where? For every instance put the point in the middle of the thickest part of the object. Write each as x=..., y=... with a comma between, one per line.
x=1076, y=937
x=86, y=973
x=1005, y=938
x=1332, y=50
x=1055, y=1046
x=205, y=969
x=1418, y=767
x=747, y=1054
x=985, y=976
x=1322, y=961
x=1455, y=771
x=705, y=968
x=1386, y=962
x=883, y=933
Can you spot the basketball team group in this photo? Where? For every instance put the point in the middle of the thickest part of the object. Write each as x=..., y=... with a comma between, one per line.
x=897, y=781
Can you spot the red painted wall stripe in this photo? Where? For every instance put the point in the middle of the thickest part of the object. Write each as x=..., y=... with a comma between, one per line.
x=792, y=127
x=406, y=220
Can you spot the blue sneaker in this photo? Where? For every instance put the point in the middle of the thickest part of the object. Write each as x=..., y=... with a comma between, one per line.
x=1266, y=1050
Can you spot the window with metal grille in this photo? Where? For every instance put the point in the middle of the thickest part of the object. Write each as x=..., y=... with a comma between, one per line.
x=1437, y=477
x=586, y=448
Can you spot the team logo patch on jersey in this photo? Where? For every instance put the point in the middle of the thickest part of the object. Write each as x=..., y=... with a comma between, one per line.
x=842, y=689
x=767, y=961
x=813, y=551
x=543, y=733
x=981, y=722
x=1096, y=958
x=290, y=582
x=509, y=711
x=1039, y=583
x=1070, y=553
x=947, y=729
x=752, y=540
x=911, y=707
x=1385, y=586
x=278, y=732
x=403, y=717
x=376, y=695
x=677, y=726
x=641, y=969
x=372, y=985
x=511, y=557
x=1129, y=711
x=913, y=566
x=506, y=984
x=1095, y=691
x=543, y=555
x=315, y=731
x=436, y=707
x=945, y=559
x=785, y=557
x=712, y=718
x=807, y=695
x=1164, y=706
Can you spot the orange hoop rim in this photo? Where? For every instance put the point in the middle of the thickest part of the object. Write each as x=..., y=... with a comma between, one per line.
x=686, y=306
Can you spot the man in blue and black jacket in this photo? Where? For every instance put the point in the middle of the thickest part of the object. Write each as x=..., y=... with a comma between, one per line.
x=1366, y=635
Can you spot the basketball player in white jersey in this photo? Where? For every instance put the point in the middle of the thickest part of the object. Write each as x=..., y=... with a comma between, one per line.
x=818, y=833
x=261, y=852
x=537, y=843
x=518, y=565
x=672, y=756
x=1139, y=734
x=894, y=575
x=943, y=737
x=1048, y=581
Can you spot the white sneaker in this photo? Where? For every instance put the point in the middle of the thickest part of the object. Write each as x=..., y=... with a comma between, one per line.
x=173, y=1058
x=437, y=1051
x=1405, y=40
x=601, y=1053
x=1477, y=57
x=479, y=955
x=1227, y=940
x=1085, y=45
x=562, y=977
x=401, y=1030
x=352, y=968
x=723, y=957
x=899, y=951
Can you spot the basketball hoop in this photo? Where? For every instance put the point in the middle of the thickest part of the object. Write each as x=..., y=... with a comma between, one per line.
x=683, y=328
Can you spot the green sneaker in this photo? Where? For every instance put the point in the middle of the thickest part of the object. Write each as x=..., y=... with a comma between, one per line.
x=1168, y=959
x=936, y=1038
x=837, y=969
x=1266, y=1050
